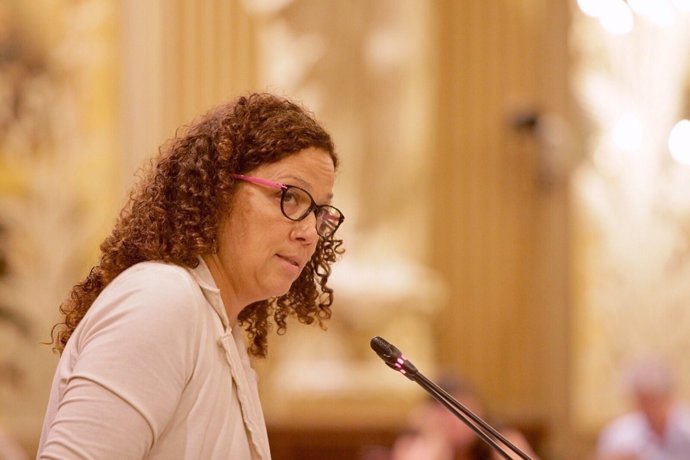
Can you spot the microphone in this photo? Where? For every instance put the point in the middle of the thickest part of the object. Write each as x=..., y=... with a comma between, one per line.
x=395, y=359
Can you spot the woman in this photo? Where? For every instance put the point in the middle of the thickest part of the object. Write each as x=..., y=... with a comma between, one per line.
x=232, y=227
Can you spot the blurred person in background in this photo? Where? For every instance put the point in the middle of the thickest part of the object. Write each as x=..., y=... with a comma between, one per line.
x=435, y=433
x=232, y=228
x=658, y=428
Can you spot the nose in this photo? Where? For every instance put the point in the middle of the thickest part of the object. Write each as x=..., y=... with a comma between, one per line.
x=305, y=230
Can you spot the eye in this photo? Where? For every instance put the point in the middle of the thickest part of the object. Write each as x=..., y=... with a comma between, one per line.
x=291, y=196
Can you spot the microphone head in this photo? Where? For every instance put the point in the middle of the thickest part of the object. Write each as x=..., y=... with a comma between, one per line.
x=393, y=357
x=385, y=350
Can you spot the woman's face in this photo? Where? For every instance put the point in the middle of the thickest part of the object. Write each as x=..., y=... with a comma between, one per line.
x=260, y=251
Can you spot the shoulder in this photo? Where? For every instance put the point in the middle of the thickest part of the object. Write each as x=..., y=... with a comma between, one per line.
x=680, y=416
x=633, y=421
x=149, y=298
x=156, y=284
x=153, y=274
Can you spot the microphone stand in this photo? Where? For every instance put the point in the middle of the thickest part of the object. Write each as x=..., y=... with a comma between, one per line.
x=397, y=361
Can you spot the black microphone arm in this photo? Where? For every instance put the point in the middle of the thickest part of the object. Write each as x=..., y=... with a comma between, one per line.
x=397, y=361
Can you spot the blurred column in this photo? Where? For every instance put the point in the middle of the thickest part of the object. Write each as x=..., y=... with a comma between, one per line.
x=180, y=58
x=501, y=202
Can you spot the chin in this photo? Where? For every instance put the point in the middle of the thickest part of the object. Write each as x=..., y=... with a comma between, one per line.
x=277, y=285
x=279, y=290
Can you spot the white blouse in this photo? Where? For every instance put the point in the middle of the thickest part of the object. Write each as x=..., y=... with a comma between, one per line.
x=153, y=371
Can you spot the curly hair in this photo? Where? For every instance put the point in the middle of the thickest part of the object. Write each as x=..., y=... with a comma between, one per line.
x=173, y=213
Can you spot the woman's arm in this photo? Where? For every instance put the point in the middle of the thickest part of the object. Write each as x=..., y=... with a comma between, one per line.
x=121, y=379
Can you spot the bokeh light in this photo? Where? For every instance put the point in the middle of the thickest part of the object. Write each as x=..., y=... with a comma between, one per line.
x=628, y=132
x=679, y=142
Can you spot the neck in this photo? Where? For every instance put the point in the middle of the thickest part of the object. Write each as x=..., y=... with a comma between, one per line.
x=231, y=303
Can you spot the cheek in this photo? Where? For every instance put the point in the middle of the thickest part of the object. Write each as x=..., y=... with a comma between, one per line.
x=240, y=223
x=261, y=239
x=313, y=251
x=233, y=235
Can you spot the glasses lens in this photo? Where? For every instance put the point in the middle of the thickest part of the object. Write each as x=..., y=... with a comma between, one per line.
x=295, y=203
x=328, y=220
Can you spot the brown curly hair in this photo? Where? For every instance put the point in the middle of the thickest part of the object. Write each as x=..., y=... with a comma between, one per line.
x=173, y=213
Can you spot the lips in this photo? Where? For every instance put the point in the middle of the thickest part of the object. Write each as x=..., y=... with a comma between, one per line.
x=290, y=259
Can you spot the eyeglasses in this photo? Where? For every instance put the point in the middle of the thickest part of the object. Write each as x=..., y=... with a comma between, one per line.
x=296, y=204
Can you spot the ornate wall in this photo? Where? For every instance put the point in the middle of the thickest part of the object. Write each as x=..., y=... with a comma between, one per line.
x=57, y=147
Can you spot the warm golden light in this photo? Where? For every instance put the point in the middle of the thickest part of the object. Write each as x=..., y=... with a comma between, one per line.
x=632, y=89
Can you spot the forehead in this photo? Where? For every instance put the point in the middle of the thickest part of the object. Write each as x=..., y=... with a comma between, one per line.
x=310, y=168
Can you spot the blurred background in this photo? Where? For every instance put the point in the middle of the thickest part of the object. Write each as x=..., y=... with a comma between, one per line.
x=515, y=176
